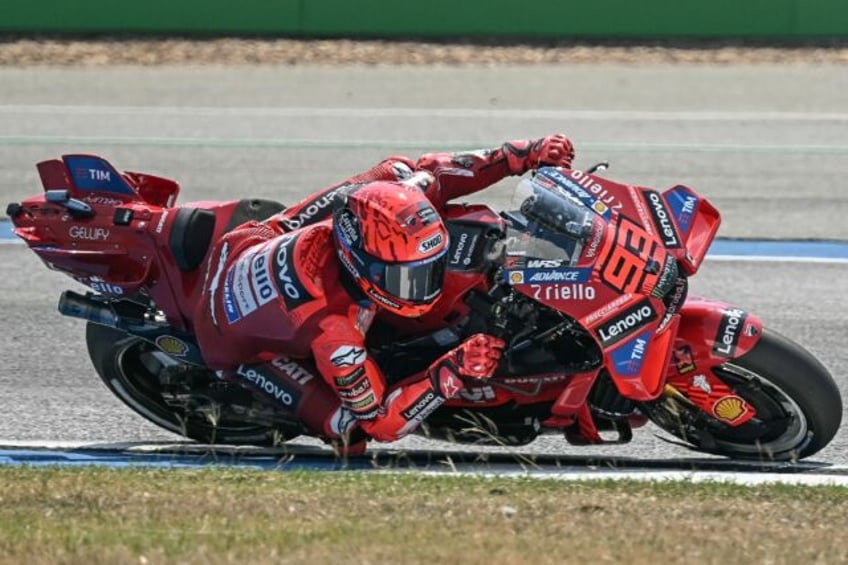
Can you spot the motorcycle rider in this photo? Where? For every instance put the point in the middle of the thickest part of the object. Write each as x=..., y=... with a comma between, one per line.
x=302, y=286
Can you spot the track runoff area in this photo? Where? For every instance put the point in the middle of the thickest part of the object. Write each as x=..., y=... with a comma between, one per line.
x=487, y=463
x=449, y=463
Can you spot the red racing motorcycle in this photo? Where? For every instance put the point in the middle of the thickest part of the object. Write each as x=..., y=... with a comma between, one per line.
x=586, y=280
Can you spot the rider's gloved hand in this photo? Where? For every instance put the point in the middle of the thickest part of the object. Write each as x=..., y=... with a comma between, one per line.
x=553, y=150
x=477, y=358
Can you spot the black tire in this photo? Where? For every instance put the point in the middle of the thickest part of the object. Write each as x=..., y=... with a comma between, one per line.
x=117, y=359
x=799, y=407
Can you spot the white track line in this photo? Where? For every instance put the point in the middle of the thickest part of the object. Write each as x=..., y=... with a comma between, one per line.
x=453, y=113
x=738, y=478
x=776, y=259
x=301, y=143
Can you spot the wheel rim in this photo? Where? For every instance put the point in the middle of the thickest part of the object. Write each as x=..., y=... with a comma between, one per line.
x=780, y=425
x=137, y=357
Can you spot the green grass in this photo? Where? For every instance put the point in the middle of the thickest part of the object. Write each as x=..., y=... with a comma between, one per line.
x=96, y=515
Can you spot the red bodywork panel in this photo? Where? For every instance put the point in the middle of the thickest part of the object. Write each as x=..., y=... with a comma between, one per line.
x=123, y=247
x=712, y=333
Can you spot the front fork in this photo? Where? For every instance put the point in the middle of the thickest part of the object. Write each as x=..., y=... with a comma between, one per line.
x=710, y=333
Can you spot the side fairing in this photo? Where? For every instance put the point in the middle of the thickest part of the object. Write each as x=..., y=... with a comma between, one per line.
x=618, y=277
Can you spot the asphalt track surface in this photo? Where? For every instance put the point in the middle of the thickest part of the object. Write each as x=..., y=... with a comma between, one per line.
x=767, y=144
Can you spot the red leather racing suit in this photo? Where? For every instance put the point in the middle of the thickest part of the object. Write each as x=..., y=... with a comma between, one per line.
x=275, y=301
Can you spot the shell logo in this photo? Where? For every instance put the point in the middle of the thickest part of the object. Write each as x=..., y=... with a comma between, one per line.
x=730, y=408
x=171, y=345
x=600, y=207
x=516, y=277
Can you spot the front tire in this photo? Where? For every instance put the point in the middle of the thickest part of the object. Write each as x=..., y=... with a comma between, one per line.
x=799, y=407
x=127, y=367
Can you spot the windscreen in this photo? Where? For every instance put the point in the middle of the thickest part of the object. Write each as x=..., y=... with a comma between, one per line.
x=550, y=223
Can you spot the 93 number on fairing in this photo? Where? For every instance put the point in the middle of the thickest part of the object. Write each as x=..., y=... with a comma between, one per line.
x=624, y=269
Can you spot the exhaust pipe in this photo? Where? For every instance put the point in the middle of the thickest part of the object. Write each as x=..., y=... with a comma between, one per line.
x=130, y=317
x=79, y=306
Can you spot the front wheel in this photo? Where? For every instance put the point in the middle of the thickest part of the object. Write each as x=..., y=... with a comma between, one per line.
x=798, y=406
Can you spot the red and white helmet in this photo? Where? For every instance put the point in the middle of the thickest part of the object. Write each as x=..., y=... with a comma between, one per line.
x=394, y=244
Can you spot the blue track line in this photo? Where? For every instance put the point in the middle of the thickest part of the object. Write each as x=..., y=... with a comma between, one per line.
x=6, y=230
x=813, y=249
x=458, y=463
x=118, y=459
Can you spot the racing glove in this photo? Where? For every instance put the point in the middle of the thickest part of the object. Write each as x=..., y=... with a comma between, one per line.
x=554, y=150
x=477, y=358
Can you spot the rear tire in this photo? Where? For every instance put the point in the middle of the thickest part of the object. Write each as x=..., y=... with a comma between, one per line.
x=799, y=407
x=117, y=358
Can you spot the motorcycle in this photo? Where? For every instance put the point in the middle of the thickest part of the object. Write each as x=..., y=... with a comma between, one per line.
x=586, y=280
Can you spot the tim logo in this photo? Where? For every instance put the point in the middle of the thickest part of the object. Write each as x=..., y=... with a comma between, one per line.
x=98, y=175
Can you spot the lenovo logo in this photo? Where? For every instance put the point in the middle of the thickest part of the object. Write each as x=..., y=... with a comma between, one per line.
x=626, y=323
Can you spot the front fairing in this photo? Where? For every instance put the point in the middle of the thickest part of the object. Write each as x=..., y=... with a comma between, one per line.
x=590, y=248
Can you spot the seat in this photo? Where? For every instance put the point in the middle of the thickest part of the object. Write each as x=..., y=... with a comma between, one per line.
x=190, y=237
x=193, y=228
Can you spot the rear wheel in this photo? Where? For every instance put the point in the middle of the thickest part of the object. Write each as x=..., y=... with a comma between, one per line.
x=131, y=368
x=798, y=406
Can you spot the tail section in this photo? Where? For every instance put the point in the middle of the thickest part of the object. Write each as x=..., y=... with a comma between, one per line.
x=94, y=181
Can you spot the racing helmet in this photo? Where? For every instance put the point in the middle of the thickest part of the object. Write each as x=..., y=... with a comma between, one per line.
x=394, y=244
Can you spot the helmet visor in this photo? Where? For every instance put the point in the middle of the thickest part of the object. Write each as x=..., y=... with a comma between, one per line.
x=418, y=281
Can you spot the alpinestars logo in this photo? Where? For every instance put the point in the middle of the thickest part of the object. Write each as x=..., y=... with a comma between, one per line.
x=347, y=356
